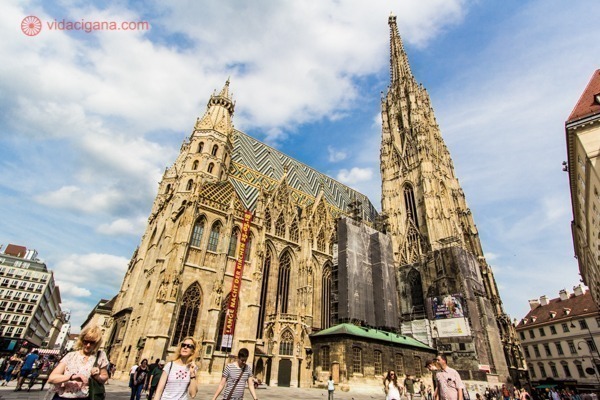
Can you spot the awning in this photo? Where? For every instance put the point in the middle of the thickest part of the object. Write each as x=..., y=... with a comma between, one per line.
x=48, y=351
x=545, y=386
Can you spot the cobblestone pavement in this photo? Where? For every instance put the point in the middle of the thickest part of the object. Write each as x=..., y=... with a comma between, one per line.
x=117, y=390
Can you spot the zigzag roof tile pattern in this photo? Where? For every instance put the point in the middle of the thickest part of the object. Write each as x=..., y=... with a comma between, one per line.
x=256, y=165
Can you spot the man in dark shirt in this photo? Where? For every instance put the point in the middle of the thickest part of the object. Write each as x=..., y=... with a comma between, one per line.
x=409, y=384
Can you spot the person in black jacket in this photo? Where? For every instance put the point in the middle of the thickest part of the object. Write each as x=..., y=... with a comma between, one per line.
x=140, y=380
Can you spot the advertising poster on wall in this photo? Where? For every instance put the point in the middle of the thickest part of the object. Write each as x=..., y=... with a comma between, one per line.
x=448, y=306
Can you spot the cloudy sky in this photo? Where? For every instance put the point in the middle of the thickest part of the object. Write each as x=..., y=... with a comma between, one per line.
x=89, y=120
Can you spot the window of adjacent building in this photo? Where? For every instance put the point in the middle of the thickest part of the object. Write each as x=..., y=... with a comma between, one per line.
x=23, y=285
x=418, y=365
x=189, y=185
x=580, y=371
x=188, y=314
x=399, y=364
x=377, y=362
x=547, y=349
x=24, y=320
x=15, y=319
x=591, y=345
x=572, y=348
x=29, y=309
x=3, y=305
x=542, y=332
x=21, y=308
x=531, y=370
x=559, y=348
x=526, y=348
x=522, y=335
x=554, y=370
x=357, y=360
x=19, y=332
x=531, y=334
x=200, y=147
x=40, y=288
x=195, y=165
x=462, y=346
x=286, y=348
x=553, y=329
x=325, y=363
x=565, y=327
x=214, y=151
x=566, y=369
x=31, y=286
x=210, y=168
x=12, y=306
x=213, y=238
x=582, y=324
x=197, y=233
x=536, y=350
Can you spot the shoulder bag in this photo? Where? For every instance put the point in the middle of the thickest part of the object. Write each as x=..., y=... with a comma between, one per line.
x=97, y=390
x=236, y=383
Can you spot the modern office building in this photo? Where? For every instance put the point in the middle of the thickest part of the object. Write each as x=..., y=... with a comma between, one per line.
x=559, y=338
x=29, y=299
x=583, y=149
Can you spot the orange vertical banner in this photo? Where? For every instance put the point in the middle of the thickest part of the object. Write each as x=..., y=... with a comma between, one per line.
x=232, y=307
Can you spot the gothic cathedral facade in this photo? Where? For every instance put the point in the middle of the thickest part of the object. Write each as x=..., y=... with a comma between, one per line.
x=180, y=278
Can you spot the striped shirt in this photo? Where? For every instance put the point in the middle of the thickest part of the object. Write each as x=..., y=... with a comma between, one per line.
x=178, y=380
x=231, y=373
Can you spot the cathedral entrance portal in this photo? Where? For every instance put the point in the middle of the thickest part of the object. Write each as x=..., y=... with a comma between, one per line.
x=284, y=374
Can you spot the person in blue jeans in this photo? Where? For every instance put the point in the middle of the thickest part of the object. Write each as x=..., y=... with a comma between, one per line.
x=27, y=368
x=330, y=388
x=140, y=380
x=12, y=364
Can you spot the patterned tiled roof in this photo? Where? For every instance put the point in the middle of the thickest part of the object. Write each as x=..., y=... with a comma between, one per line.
x=586, y=105
x=255, y=165
x=564, y=310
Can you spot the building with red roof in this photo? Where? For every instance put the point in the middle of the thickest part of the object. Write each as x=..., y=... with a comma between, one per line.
x=583, y=149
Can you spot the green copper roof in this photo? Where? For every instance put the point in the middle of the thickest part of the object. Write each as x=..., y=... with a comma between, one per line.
x=369, y=333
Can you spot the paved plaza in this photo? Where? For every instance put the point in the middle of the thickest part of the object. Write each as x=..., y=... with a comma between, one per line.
x=119, y=391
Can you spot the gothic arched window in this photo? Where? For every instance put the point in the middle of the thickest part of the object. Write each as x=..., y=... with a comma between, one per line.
x=286, y=346
x=331, y=243
x=200, y=147
x=294, y=233
x=215, y=149
x=280, y=226
x=267, y=220
x=326, y=298
x=188, y=314
x=213, y=239
x=410, y=205
x=168, y=188
x=189, y=185
x=321, y=241
x=233, y=240
x=197, y=233
x=248, y=249
x=263, y=293
x=416, y=288
x=283, y=282
x=210, y=168
x=195, y=165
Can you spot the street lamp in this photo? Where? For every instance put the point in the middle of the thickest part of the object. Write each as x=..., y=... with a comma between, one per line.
x=594, y=367
x=591, y=347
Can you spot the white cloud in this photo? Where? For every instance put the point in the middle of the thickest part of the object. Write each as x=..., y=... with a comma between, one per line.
x=336, y=155
x=354, y=175
x=124, y=226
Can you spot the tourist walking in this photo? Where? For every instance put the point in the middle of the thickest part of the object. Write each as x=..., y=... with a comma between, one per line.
x=155, y=375
x=234, y=379
x=13, y=362
x=409, y=385
x=330, y=388
x=391, y=387
x=140, y=380
x=449, y=384
x=27, y=368
x=178, y=379
x=72, y=375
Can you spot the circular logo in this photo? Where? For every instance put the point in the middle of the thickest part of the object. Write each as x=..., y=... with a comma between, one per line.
x=31, y=25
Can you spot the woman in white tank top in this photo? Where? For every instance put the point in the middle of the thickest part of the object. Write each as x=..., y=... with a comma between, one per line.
x=178, y=380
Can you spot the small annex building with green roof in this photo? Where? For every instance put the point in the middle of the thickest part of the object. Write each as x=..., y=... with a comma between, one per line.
x=357, y=355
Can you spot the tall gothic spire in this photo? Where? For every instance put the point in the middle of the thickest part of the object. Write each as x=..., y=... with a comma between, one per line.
x=219, y=112
x=398, y=60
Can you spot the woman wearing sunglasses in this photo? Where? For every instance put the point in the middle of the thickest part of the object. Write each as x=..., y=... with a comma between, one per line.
x=72, y=374
x=178, y=379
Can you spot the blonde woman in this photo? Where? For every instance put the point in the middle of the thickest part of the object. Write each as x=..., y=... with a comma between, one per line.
x=72, y=374
x=178, y=379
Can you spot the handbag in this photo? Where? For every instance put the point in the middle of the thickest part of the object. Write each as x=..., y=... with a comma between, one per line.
x=97, y=390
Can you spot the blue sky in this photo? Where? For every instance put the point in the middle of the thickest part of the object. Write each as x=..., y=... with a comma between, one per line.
x=88, y=121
